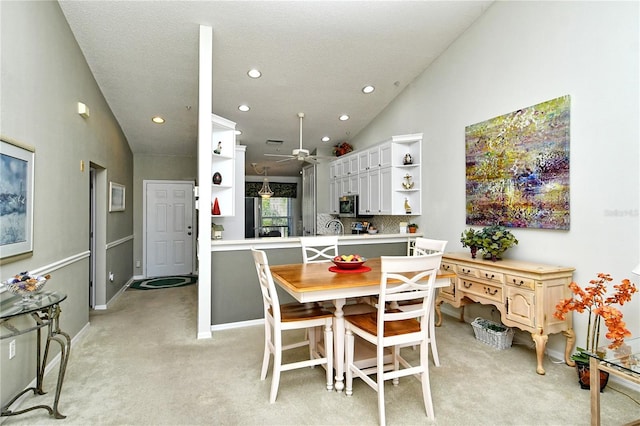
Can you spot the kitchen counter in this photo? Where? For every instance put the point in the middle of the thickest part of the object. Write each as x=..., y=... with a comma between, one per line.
x=294, y=242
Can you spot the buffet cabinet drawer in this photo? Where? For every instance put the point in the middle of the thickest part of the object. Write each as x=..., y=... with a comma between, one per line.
x=492, y=276
x=447, y=267
x=520, y=282
x=486, y=291
x=467, y=271
x=448, y=292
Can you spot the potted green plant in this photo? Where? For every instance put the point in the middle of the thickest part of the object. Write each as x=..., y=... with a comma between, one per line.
x=412, y=227
x=495, y=240
x=595, y=300
x=472, y=239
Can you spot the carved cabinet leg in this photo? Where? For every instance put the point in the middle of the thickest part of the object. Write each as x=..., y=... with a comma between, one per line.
x=541, y=342
x=438, y=323
x=571, y=339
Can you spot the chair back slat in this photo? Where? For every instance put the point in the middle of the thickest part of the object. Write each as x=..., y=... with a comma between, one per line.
x=424, y=246
x=417, y=275
x=267, y=286
x=319, y=249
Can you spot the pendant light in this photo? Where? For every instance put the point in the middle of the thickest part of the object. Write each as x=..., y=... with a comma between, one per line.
x=265, y=191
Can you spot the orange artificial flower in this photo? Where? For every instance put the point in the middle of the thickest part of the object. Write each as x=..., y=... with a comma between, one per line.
x=592, y=299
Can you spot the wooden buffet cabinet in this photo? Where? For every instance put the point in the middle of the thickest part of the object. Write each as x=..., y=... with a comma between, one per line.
x=525, y=293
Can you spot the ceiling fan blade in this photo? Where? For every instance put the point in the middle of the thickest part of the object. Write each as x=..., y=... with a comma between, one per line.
x=286, y=159
x=279, y=155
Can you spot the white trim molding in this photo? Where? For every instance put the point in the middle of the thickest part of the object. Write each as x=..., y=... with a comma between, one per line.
x=118, y=242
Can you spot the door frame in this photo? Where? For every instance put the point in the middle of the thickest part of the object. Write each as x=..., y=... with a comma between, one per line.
x=194, y=233
x=98, y=256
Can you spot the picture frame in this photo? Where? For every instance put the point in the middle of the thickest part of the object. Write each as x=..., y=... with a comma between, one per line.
x=16, y=199
x=116, y=197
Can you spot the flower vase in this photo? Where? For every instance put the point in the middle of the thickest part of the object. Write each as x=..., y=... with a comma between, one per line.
x=584, y=376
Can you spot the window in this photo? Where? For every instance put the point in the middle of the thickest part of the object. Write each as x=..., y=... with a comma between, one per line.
x=276, y=216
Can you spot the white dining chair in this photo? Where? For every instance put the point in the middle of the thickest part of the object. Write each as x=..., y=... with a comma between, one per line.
x=322, y=249
x=318, y=249
x=420, y=247
x=291, y=316
x=393, y=328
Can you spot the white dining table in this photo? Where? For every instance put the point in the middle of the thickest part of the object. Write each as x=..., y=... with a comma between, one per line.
x=314, y=282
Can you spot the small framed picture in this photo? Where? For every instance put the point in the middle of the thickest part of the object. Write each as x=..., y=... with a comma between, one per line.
x=116, y=197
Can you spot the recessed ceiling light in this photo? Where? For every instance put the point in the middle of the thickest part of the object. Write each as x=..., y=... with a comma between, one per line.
x=344, y=117
x=157, y=119
x=368, y=89
x=244, y=108
x=254, y=73
x=326, y=139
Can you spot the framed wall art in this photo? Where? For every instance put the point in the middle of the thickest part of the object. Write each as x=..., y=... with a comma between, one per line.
x=517, y=168
x=116, y=197
x=16, y=198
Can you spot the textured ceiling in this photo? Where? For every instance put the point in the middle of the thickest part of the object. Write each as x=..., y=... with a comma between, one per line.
x=315, y=57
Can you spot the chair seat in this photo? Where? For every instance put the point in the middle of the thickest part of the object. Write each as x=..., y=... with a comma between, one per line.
x=297, y=312
x=369, y=323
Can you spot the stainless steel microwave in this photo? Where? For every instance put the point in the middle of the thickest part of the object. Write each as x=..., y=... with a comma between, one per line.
x=348, y=206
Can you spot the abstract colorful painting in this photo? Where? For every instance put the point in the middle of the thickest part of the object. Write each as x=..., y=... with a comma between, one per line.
x=517, y=168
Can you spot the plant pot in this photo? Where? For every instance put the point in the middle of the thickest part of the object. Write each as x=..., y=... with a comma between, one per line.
x=474, y=251
x=412, y=230
x=584, y=376
x=492, y=257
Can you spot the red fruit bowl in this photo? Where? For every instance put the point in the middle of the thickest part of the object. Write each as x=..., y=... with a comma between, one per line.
x=349, y=265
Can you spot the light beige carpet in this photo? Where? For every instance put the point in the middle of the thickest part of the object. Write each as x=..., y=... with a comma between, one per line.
x=140, y=364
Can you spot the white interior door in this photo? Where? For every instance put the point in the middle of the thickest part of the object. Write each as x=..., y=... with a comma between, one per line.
x=169, y=234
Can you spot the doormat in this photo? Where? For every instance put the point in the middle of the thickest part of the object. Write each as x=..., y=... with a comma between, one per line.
x=164, y=282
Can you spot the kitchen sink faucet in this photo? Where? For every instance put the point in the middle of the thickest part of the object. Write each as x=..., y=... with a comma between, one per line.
x=337, y=224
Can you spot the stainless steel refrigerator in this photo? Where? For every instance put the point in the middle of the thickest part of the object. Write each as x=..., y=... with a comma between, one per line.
x=252, y=217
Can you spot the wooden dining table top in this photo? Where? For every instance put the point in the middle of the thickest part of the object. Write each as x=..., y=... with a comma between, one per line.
x=310, y=277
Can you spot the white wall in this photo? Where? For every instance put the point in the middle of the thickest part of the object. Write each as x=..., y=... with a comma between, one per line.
x=517, y=55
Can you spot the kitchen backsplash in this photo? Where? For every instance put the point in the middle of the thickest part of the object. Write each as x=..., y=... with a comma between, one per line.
x=384, y=224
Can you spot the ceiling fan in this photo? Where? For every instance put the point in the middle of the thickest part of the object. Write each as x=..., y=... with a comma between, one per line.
x=299, y=154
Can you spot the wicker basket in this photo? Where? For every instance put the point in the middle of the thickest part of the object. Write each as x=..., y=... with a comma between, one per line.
x=488, y=332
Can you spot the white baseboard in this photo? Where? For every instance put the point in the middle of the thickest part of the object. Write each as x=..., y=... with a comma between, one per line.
x=239, y=324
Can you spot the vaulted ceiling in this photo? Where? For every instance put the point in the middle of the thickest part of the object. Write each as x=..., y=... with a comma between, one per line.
x=315, y=57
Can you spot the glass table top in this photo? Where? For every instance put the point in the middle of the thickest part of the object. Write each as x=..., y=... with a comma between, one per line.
x=14, y=306
x=626, y=358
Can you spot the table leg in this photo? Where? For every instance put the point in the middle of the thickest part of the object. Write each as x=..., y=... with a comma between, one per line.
x=594, y=385
x=338, y=334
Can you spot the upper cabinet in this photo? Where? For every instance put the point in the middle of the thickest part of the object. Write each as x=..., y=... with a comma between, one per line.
x=387, y=176
x=223, y=148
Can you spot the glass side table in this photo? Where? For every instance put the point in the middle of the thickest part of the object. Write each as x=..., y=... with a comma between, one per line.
x=623, y=362
x=44, y=310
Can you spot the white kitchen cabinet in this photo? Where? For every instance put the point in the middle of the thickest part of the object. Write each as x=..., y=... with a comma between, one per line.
x=333, y=196
x=379, y=176
x=375, y=192
x=349, y=185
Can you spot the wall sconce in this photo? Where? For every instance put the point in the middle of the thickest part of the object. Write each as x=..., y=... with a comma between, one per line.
x=83, y=110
